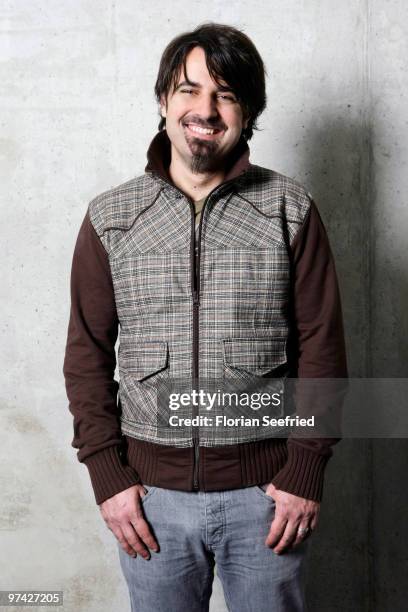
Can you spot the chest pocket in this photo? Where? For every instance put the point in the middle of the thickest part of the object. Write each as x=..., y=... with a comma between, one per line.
x=256, y=365
x=255, y=356
x=142, y=368
x=145, y=361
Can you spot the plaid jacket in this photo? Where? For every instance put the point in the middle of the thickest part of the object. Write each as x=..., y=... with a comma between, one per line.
x=255, y=296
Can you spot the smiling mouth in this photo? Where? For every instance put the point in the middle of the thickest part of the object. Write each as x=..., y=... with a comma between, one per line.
x=203, y=133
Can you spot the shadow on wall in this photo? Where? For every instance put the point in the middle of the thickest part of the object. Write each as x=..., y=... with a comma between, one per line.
x=336, y=170
x=361, y=529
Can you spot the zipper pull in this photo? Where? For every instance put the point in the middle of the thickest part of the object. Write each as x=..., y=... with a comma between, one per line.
x=196, y=299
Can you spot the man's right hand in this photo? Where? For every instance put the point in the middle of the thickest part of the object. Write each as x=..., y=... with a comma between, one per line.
x=123, y=515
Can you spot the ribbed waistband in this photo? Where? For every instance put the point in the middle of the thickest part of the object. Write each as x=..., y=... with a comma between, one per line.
x=220, y=467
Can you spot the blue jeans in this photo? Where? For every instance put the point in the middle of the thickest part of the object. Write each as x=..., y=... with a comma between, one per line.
x=195, y=530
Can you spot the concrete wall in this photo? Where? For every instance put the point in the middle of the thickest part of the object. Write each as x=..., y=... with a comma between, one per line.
x=77, y=115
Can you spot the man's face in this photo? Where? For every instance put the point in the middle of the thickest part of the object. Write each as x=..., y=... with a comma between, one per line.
x=201, y=103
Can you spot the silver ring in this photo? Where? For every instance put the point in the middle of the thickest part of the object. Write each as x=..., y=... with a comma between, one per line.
x=303, y=530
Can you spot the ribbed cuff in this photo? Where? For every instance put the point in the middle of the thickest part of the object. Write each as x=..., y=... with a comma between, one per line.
x=303, y=473
x=108, y=474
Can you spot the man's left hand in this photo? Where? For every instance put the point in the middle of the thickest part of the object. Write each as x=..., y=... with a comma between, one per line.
x=293, y=515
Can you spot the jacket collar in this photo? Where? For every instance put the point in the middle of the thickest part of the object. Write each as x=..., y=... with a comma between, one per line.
x=159, y=157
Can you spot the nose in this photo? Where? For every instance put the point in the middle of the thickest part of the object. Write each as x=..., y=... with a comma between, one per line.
x=206, y=107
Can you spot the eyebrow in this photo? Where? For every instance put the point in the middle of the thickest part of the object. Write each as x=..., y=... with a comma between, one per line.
x=198, y=85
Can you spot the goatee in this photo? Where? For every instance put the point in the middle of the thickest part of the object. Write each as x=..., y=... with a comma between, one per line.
x=204, y=156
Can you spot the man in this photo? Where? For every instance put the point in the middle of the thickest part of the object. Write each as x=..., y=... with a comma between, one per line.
x=242, y=287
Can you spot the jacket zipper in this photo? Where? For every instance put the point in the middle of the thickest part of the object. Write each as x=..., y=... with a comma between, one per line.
x=195, y=269
x=195, y=285
x=196, y=312
x=195, y=275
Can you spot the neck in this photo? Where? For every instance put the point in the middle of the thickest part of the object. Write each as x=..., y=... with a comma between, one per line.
x=194, y=185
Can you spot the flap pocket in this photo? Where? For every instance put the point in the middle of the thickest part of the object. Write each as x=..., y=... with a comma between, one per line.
x=255, y=355
x=144, y=359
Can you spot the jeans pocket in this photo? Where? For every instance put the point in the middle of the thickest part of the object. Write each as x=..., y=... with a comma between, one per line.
x=261, y=490
x=150, y=492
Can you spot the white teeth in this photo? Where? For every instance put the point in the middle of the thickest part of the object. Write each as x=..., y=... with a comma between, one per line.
x=200, y=130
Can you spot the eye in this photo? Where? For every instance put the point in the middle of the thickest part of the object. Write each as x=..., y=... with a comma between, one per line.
x=228, y=98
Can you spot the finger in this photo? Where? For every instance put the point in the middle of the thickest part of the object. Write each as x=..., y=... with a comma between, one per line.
x=314, y=521
x=118, y=533
x=276, y=531
x=143, y=531
x=134, y=541
x=303, y=532
x=287, y=538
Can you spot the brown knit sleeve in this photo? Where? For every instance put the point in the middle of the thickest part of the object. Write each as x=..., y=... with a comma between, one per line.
x=89, y=367
x=320, y=347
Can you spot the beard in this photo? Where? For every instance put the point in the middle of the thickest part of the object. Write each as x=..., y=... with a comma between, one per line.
x=205, y=156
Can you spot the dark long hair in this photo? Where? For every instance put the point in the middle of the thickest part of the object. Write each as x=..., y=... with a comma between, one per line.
x=230, y=55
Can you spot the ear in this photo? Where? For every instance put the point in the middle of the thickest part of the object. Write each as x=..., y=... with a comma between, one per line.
x=163, y=111
x=245, y=123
